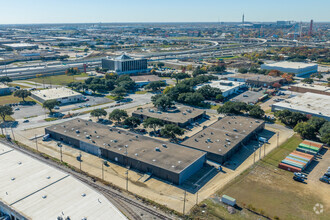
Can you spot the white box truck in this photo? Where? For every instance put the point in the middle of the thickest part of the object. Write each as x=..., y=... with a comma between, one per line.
x=228, y=200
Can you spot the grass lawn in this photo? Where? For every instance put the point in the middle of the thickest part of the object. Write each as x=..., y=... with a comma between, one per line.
x=214, y=107
x=58, y=79
x=8, y=99
x=141, y=92
x=267, y=190
x=22, y=87
x=51, y=119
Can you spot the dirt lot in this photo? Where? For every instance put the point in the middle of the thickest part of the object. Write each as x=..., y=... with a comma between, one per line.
x=268, y=190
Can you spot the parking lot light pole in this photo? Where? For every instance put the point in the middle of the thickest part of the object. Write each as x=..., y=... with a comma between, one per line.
x=60, y=146
x=184, y=201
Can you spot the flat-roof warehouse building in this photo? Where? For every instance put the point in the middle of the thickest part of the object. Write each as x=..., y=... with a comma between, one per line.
x=309, y=103
x=224, y=137
x=299, y=69
x=30, y=189
x=167, y=161
x=181, y=115
x=62, y=95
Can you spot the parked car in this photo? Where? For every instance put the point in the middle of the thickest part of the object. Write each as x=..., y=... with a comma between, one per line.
x=297, y=174
x=56, y=107
x=298, y=179
x=26, y=121
x=16, y=109
x=325, y=179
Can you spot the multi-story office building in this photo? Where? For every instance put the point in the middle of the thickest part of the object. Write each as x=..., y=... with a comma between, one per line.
x=125, y=65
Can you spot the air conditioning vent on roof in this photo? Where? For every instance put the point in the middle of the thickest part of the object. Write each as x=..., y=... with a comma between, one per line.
x=157, y=149
x=164, y=145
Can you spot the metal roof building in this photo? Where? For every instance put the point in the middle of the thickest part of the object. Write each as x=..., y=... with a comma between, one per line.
x=30, y=189
x=165, y=160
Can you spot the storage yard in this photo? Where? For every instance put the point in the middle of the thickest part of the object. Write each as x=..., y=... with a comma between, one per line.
x=266, y=189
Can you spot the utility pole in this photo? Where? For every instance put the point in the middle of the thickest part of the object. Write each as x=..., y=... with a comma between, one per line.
x=127, y=179
x=184, y=201
x=35, y=137
x=60, y=146
x=12, y=132
x=102, y=171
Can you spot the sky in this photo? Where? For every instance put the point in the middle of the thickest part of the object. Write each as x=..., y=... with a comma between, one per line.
x=94, y=11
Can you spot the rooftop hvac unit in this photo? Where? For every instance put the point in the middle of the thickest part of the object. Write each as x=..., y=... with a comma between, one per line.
x=136, y=154
x=164, y=145
x=227, y=134
x=227, y=139
x=77, y=131
x=234, y=129
x=211, y=133
x=137, y=136
x=196, y=140
x=157, y=149
x=110, y=129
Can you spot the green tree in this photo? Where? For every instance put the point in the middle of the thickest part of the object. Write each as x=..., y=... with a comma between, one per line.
x=307, y=80
x=255, y=111
x=119, y=91
x=220, y=97
x=209, y=92
x=325, y=133
x=22, y=93
x=171, y=130
x=162, y=101
x=132, y=122
x=5, y=110
x=155, y=86
x=191, y=98
x=98, y=113
x=5, y=79
x=198, y=71
x=118, y=115
x=179, y=76
x=233, y=108
x=306, y=130
x=290, y=118
x=50, y=104
x=153, y=123
x=317, y=122
x=242, y=70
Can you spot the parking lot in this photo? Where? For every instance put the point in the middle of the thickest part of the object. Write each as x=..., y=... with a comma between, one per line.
x=26, y=111
x=92, y=100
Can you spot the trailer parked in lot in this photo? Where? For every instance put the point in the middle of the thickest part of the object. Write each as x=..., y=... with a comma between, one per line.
x=228, y=200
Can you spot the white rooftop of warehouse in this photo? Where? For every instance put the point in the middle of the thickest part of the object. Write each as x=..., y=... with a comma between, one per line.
x=38, y=191
x=294, y=65
x=313, y=86
x=20, y=45
x=308, y=102
x=55, y=93
x=221, y=84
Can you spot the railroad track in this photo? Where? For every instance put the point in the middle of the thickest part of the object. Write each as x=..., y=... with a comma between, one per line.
x=117, y=197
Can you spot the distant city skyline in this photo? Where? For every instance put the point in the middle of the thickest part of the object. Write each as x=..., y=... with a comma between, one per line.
x=108, y=11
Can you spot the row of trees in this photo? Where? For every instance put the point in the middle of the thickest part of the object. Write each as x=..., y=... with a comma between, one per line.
x=314, y=129
x=184, y=92
x=116, y=85
x=121, y=116
x=239, y=108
